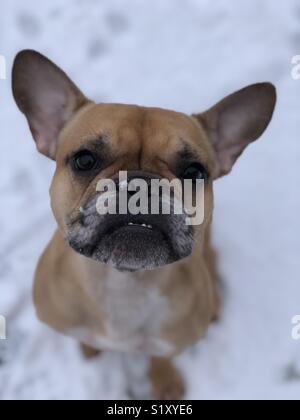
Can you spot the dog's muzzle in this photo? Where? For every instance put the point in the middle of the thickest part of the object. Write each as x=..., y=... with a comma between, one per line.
x=131, y=242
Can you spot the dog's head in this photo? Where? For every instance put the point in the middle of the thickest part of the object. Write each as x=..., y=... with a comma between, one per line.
x=92, y=142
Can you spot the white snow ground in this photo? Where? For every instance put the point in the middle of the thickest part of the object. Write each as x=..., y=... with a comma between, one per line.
x=183, y=55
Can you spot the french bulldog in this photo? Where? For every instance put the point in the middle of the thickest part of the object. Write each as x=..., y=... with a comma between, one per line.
x=131, y=283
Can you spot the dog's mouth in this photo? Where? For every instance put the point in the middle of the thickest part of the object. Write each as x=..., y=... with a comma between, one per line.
x=133, y=225
x=136, y=243
x=132, y=243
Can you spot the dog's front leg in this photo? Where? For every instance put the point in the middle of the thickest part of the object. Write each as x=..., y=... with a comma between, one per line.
x=167, y=383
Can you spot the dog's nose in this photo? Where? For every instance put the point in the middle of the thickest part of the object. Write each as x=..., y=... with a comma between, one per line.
x=132, y=176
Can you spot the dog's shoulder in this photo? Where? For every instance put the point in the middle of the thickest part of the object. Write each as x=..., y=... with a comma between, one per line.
x=54, y=285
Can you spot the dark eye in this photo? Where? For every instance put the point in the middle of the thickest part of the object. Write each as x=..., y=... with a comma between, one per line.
x=194, y=172
x=85, y=161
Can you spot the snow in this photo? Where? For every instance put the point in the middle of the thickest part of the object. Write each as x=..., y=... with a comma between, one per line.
x=185, y=56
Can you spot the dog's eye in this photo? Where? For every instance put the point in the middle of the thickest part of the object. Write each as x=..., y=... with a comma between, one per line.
x=194, y=172
x=85, y=161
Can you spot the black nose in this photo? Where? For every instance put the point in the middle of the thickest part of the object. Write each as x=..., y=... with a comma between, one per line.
x=138, y=175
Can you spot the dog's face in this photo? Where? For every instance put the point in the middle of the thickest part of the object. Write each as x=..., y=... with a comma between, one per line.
x=94, y=142
x=148, y=144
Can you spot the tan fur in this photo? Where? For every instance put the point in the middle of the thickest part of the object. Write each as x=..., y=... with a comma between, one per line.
x=69, y=277
x=160, y=312
x=67, y=291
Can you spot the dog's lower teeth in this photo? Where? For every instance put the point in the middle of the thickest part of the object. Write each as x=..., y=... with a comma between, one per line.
x=141, y=225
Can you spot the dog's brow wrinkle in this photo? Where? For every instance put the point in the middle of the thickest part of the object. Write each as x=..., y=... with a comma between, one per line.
x=187, y=153
x=97, y=139
x=93, y=143
x=97, y=142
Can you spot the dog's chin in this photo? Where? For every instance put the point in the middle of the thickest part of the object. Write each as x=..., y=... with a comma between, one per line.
x=133, y=244
x=135, y=248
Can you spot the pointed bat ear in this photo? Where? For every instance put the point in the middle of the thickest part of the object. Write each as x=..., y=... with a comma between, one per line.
x=237, y=121
x=46, y=96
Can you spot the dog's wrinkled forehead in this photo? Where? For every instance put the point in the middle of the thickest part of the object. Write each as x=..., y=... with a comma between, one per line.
x=142, y=138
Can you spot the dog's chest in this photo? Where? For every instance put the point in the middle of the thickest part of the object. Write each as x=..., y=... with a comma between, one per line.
x=133, y=317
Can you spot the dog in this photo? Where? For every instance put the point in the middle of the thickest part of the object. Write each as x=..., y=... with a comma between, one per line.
x=143, y=283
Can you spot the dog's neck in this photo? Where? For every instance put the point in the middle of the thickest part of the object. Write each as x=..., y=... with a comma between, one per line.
x=95, y=277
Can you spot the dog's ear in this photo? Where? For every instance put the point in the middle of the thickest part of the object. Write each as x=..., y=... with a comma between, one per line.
x=46, y=96
x=237, y=121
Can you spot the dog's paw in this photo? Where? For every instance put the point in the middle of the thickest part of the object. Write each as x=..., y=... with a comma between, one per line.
x=167, y=382
x=170, y=390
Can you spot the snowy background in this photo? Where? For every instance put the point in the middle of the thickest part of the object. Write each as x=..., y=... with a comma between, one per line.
x=184, y=55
